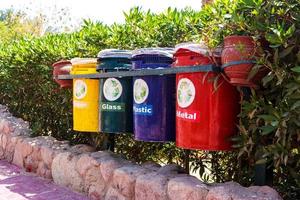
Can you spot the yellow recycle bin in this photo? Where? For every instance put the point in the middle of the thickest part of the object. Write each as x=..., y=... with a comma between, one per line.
x=85, y=96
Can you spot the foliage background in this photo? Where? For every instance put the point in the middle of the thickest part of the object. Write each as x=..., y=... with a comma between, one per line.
x=269, y=120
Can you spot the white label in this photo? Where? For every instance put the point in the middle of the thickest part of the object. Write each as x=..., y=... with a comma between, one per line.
x=112, y=89
x=140, y=91
x=80, y=89
x=80, y=104
x=185, y=92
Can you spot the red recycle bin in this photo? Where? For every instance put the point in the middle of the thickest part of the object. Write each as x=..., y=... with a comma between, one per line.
x=207, y=105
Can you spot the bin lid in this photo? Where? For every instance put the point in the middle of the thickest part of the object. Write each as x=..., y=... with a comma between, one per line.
x=84, y=62
x=164, y=52
x=62, y=63
x=198, y=48
x=114, y=59
x=114, y=53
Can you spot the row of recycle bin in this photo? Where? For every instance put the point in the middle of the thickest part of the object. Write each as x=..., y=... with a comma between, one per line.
x=197, y=110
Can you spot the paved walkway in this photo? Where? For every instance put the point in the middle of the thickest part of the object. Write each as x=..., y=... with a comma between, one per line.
x=15, y=184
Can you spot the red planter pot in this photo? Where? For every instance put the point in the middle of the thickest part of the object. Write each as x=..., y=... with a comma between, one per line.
x=62, y=67
x=238, y=59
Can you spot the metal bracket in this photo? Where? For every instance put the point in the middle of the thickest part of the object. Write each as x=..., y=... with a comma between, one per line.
x=145, y=72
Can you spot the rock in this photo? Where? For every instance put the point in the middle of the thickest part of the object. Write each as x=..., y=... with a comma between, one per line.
x=64, y=171
x=171, y=169
x=124, y=179
x=9, y=150
x=84, y=163
x=151, y=166
x=82, y=148
x=109, y=165
x=112, y=194
x=31, y=162
x=234, y=191
x=6, y=126
x=22, y=150
x=186, y=188
x=152, y=186
x=89, y=167
x=95, y=185
x=47, y=155
x=44, y=171
x=2, y=124
x=101, y=154
x=265, y=192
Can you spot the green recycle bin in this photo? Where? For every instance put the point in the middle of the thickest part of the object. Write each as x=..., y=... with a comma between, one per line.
x=115, y=93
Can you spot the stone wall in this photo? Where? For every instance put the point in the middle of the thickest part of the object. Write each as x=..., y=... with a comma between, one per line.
x=104, y=175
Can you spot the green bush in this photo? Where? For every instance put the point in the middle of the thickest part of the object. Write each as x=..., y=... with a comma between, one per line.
x=269, y=120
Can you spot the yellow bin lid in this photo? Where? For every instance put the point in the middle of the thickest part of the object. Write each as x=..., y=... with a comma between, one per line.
x=84, y=65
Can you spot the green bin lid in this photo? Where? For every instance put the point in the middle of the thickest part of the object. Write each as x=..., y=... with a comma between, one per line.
x=114, y=59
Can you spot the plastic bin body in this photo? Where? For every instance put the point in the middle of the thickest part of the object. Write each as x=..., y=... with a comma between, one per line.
x=85, y=97
x=207, y=105
x=115, y=96
x=154, y=101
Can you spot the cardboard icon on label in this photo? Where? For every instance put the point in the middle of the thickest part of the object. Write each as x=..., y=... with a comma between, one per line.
x=185, y=92
x=112, y=89
x=140, y=91
x=80, y=89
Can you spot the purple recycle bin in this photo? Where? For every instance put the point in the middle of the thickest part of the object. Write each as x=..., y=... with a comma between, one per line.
x=154, y=97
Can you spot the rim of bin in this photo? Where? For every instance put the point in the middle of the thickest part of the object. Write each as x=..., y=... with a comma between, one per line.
x=82, y=61
x=61, y=63
x=160, y=51
x=114, y=53
x=199, y=48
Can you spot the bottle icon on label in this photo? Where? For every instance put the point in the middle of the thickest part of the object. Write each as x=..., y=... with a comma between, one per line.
x=80, y=89
x=185, y=92
x=112, y=89
x=140, y=90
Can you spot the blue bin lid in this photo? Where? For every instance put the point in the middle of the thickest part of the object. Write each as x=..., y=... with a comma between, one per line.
x=162, y=52
x=152, y=58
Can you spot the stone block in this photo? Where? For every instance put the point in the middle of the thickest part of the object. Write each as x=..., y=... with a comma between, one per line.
x=152, y=186
x=124, y=179
x=186, y=188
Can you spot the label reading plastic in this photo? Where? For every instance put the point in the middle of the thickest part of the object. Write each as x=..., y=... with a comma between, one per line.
x=143, y=109
x=192, y=116
x=112, y=107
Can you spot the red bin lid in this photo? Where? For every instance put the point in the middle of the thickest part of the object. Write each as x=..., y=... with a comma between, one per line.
x=190, y=48
x=61, y=63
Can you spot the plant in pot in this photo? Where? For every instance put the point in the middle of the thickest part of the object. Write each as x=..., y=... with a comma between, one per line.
x=239, y=61
x=62, y=67
x=242, y=38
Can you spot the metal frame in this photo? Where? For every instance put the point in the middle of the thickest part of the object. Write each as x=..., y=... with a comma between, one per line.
x=144, y=72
